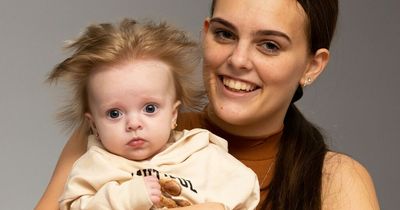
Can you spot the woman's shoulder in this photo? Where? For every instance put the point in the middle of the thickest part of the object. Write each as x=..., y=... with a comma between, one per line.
x=337, y=162
x=346, y=184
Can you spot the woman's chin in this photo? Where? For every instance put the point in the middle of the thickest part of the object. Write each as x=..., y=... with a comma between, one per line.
x=231, y=113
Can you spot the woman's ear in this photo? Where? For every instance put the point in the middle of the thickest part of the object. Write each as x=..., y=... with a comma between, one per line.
x=206, y=26
x=175, y=111
x=316, y=66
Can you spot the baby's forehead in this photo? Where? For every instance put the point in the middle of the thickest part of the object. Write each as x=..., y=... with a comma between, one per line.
x=149, y=76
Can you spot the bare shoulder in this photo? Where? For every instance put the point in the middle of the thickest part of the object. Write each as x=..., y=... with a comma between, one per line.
x=346, y=184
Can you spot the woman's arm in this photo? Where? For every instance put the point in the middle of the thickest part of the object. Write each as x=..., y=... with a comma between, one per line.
x=347, y=185
x=73, y=149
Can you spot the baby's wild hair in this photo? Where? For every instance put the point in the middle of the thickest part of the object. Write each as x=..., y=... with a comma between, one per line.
x=107, y=44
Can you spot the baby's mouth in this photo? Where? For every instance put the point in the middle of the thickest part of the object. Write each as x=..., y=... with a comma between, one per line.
x=136, y=142
x=237, y=85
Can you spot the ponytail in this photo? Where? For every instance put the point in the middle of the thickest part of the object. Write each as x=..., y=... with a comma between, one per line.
x=297, y=181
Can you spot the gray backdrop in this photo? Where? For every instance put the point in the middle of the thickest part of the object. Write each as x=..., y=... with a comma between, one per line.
x=355, y=100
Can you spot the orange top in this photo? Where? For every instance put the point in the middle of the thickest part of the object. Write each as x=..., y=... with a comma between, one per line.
x=256, y=153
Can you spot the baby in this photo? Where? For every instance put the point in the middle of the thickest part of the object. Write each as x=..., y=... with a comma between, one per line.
x=129, y=82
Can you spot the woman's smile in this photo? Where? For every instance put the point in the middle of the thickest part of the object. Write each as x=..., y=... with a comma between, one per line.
x=235, y=88
x=237, y=85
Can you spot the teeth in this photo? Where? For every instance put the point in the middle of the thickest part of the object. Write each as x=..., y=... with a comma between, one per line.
x=238, y=85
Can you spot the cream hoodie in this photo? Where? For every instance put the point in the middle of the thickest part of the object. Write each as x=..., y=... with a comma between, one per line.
x=198, y=160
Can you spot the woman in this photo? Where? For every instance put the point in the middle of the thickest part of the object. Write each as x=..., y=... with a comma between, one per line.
x=258, y=54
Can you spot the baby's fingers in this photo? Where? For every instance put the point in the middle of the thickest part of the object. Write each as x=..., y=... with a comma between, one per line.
x=153, y=188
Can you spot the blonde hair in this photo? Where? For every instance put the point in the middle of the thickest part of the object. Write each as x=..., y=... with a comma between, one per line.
x=109, y=44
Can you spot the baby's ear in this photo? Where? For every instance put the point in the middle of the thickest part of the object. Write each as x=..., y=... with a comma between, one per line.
x=176, y=106
x=90, y=120
x=175, y=111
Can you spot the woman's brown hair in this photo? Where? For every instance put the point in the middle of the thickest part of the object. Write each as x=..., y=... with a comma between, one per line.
x=297, y=182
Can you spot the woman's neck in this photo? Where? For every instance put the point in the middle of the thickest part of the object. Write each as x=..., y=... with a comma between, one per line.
x=256, y=131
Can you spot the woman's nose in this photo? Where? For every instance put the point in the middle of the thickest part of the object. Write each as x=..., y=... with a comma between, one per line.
x=240, y=56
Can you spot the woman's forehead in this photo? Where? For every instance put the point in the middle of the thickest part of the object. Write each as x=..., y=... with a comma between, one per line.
x=281, y=15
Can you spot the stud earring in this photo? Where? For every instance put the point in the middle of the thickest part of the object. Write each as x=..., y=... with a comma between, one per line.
x=307, y=82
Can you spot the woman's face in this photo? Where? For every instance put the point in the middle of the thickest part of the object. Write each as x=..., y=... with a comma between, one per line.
x=255, y=56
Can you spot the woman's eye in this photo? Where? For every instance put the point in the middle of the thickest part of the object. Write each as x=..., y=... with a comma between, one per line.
x=114, y=113
x=269, y=47
x=150, y=108
x=223, y=35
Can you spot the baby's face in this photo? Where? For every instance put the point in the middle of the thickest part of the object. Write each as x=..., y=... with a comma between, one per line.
x=133, y=107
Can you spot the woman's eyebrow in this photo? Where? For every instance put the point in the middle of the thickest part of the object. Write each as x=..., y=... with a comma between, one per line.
x=223, y=22
x=273, y=33
x=258, y=33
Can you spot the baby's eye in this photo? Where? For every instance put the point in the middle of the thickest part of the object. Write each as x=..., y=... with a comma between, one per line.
x=150, y=108
x=114, y=113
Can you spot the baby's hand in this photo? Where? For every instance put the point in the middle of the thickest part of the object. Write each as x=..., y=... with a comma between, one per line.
x=153, y=188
